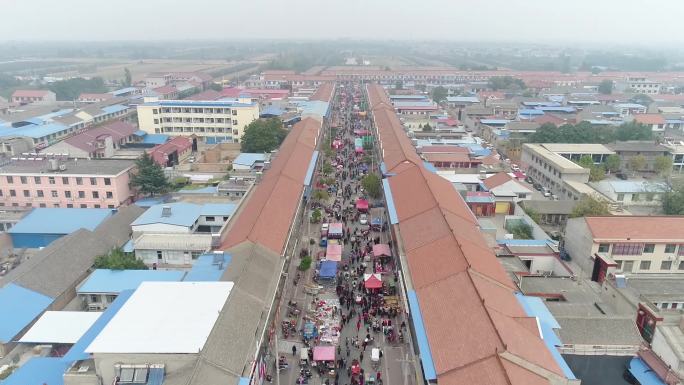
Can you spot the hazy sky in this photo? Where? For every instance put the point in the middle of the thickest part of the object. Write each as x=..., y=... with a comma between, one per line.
x=638, y=21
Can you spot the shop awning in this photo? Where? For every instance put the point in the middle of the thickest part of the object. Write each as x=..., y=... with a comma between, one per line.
x=335, y=229
x=361, y=204
x=324, y=353
x=643, y=373
x=372, y=281
x=382, y=250
x=333, y=252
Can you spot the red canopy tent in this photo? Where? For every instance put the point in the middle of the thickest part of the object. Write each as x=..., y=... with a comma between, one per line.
x=333, y=252
x=337, y=144
x=362, y=205
x=382, y=250
x=372, y=281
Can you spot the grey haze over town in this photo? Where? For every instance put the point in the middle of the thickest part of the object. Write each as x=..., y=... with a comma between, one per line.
x=341, y=192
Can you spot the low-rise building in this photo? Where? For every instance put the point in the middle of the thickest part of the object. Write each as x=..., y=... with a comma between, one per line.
x=625, y=109
x=632, y=193
x=42, y=226
x=249, y=161
x=551, y=169
x=94, y=98
x=626, y=244
x=104, y=285
x=655, y=121
x=629, y=150
x=22, y=97
x=98, y=142
x=178, y=233
x=550, y=212
x=66, y=183
x=235, y=187
x=213, y=121
x=507, y=191
x=172, y=152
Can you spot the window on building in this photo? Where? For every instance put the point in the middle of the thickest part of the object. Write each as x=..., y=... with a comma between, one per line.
x=110, y=195
x=110, y=206
x=108, y=181
x=39, y=193
x=604, y=247
x=93, y=181
x=649, y=248
x=155, y=111
x=56, y=205
x=51, y=180
x=27, y=193
x=23, y=179
x=621, y=197
x=234, y=112
x=211, y=219
x=81, y=194
x=36, y=179
x=628, y=248
x=645, y=265
x=65, y=180
x=96, y=195
x=225, y=219
x=670, y=248
x=67, y=194
x=235, y=122
x=628, y=266
x=159, y=254
x=42, y=205
x=79, y=180
x=84, y=206
x=10, y=179
x=13, y=193
x=664, y=305
x=54, y=194
x=96, y=206
x=94, y=298
x=70, y=206
x=665, y=265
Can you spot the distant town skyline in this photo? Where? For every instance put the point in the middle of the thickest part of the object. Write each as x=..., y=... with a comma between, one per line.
x=605, y=21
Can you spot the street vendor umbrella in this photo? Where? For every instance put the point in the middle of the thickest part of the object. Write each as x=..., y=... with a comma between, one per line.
x=333, y=252
x=372, y=281
x=324, y=353
x=328, y=269
x=381, y=250
x=337, y=144
x=362, y=205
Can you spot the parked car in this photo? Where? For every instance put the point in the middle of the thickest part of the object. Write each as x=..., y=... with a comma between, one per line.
x=529, y=180
x=621, y=176
x=363, y=219
x=515, y=167
x=546, y=192
x=537, y=186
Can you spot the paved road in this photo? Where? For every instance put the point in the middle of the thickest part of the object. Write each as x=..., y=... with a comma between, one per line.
x=396, y=366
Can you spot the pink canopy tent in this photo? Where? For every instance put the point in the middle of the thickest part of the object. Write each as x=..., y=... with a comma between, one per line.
x=359, y=150
x=362, y=205
x=335, y=230
x=361, y=132
x=333, y=252
x=382, y=250
x=337, y=144
x=372, y=281
x=324, y=353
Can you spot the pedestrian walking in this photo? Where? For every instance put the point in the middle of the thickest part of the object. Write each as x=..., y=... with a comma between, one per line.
x=294, y=350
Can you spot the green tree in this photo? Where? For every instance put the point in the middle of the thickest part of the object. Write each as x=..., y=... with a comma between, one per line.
x=439, y=94
x=118, y=260
x=399, y=85
x=637, y=163
x=597, y=173
x=633, y=131
x=305, y=263
x=642, y=99
x=612, y=163
x=606, y=87
x=673, y=201
x=326, y=169
x=588, y=206
x=521, y=230
x=320, y=195
x=216, y=87
x=128, y=78
x=263, y=135
x=371, y=183
x=662, y=165
x=427, y=128
x=506, y=82
x=586, y=161
x=150, y=178
x=316, y=216
x=534, y=215
x=70, y=89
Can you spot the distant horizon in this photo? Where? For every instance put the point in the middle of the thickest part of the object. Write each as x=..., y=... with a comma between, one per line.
x=605, y=22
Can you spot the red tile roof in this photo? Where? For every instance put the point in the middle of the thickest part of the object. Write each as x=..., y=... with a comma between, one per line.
x=649, y=119
x=324, y=92
x=86, y=96
x=497, y=180
x=165, y=90
x=550, y=118
x=88, y=140
x=637, y=228
x=472, y=318
x=444, y=149
x=30, y=93
x=206, y=95
x=179, y=143
x=455, y=157
x=270, y=209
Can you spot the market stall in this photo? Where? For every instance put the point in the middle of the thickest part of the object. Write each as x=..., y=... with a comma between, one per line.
x=327, y=321
x=372, y=281
x=328, y=271
x=362, y=205
x=336, y=230
x=333, y=252
x=324, y=359
x=381, y=250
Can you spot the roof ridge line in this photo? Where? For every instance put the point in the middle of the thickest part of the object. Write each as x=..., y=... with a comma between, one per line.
x=495, y=354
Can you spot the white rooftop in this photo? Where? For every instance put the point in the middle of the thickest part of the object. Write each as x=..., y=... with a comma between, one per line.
x=164, y=317
x=60, y=327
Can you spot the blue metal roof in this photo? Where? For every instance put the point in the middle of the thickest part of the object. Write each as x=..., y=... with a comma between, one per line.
x=523, y=242
x=394, y=218
x=315, y=107
x=208, y=268
x=249, y=158
x=628, y=105
x=312, y=167
x=39, y=370
x=140, y=133
x=182, y=214
x=114, y=109
x=527, y=111
x=494, y=121
x=155, y=138
x=430, y=167
x=328, y=269
x=123, y=91
x=643, y=373
x=271, y=111
x=463, y=99
x=20, y=307
x=128, y=247
x=203, y=190
x=541, y=104
x=243, y=381
x=399, y=97
x=201, y=103
x=60, y=220
x=558, y=109
x=421, y=336
x=116, y=281
x=35, y=131
x=535, y=307
x=149, y=202
x=218, y=209
x=414, y=104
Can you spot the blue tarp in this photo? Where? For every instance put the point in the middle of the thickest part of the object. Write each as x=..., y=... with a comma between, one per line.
x=328, y=269
x=155, y=138
x=39, y=370
x=208, y=268
x=310, y=170
x=128, y=247
x=20, y=307
x=643, y=374
x=394, y=219
x=421, y=336
x=116, y=281
x=430, y=167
